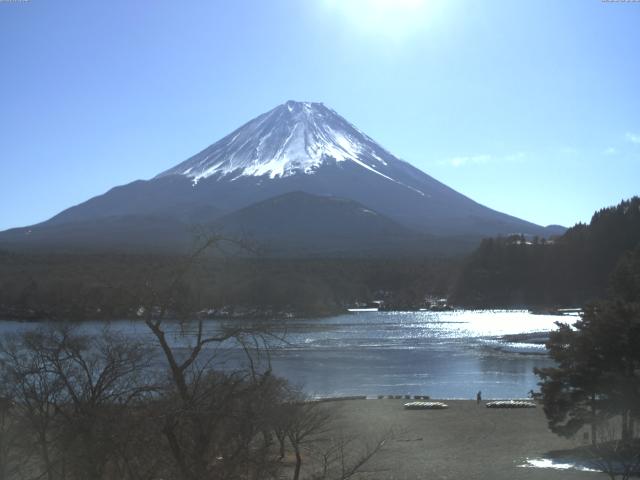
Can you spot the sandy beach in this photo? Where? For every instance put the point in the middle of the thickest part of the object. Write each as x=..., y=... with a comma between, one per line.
x=465, y=441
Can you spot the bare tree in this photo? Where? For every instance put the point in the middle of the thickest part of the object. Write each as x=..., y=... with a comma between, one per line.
x=343, y=459
x=211, y=419
x=7, y=436
x=70, y=393
x=307, y=422
x=313, y=431
x=617, y=454
x=220, y=424
x=36, y=395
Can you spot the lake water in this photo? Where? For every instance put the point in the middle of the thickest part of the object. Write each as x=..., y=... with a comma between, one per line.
x=441, y=354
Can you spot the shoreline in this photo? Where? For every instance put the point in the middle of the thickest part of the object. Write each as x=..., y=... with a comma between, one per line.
x=13, y=314
x=344, y=398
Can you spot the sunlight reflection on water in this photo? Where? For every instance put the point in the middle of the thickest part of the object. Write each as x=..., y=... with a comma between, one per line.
x=442, y=354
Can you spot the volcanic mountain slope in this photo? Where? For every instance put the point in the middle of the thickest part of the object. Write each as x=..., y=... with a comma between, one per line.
x=309, y=225
x=296, y=147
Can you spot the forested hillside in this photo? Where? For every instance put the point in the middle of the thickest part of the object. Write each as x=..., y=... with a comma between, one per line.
x=503, y=272
x=565, y=271
x=113, y=286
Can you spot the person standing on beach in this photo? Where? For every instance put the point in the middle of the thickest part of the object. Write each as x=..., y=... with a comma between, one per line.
x=479, y=398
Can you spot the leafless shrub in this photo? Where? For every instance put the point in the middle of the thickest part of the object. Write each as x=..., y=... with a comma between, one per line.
x=615, y=454
x=70, y=393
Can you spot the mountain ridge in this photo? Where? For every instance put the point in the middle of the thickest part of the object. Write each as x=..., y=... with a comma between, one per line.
x=295, y=147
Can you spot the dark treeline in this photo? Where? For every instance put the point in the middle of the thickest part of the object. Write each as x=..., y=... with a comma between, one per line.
x=566, y=271
x=81, y=286
x=503, y=272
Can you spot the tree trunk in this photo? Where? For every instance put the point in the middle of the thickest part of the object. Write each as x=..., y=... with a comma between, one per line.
x=176, y=372
x=47, y=461
x=626, y=426
x=2, y=455
x=296, y=473
x=176, y=450
x=593, y=421
x=267, y=439
x=281, y=439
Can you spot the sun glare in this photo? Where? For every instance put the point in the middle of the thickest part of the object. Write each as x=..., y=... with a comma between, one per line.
x=393, y=19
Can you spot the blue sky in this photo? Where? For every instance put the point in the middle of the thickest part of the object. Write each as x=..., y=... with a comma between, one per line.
x=529, y=107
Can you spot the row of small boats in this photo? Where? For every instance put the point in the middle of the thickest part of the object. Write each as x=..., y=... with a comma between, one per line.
x=496, y=404
x=406, y=397
x=425, y=405
x=511, y=404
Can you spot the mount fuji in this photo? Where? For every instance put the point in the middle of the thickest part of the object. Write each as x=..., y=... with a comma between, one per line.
x=299, y=177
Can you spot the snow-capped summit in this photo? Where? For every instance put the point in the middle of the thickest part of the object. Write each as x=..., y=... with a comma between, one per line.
x=293, y=138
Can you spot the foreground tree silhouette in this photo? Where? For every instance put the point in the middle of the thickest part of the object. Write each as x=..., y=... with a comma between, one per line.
x=104, y=407
x=210, y=417
x=70, y=398
x=221, y=424
x=597, y=377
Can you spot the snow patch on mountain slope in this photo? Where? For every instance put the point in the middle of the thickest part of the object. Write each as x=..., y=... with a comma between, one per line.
x=294, y=138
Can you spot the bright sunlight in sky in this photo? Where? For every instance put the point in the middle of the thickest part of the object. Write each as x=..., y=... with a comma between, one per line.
x=528, y=107
x=395, y=20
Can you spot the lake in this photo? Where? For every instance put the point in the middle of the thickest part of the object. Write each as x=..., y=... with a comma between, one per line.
x=442, y=354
